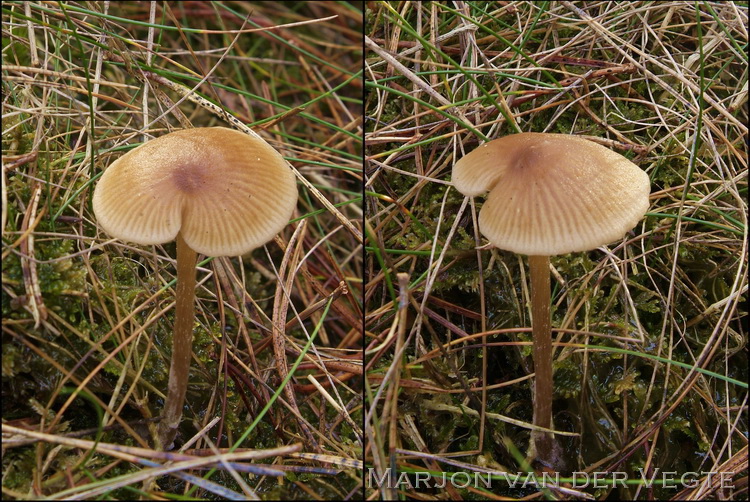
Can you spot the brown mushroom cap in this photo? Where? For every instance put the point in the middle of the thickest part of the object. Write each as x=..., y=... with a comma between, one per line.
x=552, y=194
x=225, y=191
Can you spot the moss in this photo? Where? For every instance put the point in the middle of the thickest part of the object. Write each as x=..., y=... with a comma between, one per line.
x=470, y=443
x=567, y=377
x=19, y=464
x=670, y=171
x=11, y=360
x=679, y=422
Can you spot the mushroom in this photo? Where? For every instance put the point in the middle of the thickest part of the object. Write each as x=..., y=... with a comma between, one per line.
x=218, y=192
x=550, y=194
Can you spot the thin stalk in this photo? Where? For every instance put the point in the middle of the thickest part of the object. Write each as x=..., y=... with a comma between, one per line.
x=182, y=343
x=542, y=350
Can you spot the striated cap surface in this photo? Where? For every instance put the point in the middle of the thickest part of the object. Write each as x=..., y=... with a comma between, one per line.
x=552, y=194
x=225, y=191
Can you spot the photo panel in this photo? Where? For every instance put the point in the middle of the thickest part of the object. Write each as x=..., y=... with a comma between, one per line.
x=556, y=260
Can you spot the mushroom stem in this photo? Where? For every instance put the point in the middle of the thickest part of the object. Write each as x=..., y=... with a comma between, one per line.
x=182, y=343
x=542, y=351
